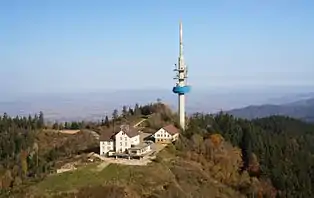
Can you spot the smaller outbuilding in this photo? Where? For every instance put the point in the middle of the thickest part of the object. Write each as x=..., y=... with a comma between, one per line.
x=140, y=149
x=166, y=134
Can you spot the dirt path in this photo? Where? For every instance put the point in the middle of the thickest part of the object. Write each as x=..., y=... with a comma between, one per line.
x=144, y=119
x=140, y=122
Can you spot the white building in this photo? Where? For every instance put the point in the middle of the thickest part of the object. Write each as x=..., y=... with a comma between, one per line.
x=120, y=141
x=140, y=149
x=166, y=134
x=106, y=145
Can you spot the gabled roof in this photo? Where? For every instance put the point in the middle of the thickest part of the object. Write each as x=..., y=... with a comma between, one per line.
x=171, y=129
x=129, y=131
x=107, y=136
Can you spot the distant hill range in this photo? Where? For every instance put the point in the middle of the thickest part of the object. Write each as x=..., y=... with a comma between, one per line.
x=302, y=109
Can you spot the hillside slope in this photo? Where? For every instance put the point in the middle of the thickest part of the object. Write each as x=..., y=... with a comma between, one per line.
x=303, y=110
x=173, y=174
x=217, y=156
x=278, y=148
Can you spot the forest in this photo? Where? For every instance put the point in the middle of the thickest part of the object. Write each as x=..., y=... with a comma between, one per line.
x=276, y=150
x=28, y=153
x=277, y=147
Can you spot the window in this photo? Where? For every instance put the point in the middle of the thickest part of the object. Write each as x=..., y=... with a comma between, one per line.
x=120, y=138
x=108, y=148
x=126, y=139
x=126, y=144
x=120, y=143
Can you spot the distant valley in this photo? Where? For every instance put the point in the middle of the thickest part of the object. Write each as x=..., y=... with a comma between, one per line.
x=95, y=105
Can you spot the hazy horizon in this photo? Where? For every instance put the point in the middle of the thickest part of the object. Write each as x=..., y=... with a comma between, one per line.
x=95, y=105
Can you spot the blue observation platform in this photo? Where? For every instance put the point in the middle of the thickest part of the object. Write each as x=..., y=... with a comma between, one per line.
x=181, y=90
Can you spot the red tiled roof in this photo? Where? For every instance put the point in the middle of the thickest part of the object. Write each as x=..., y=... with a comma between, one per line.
x=171, y=129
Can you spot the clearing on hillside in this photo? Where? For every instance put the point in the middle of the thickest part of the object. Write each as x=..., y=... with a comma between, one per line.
x=163, y=178
x=69, y=131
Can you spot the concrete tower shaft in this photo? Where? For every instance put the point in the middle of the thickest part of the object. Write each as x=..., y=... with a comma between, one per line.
x=181, y=87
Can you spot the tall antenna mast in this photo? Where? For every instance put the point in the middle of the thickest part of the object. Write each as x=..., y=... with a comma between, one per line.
x=181, y=87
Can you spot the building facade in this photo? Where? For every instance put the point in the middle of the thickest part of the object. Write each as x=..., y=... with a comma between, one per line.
x=120, y=141
x=140, y=149
x=166, y=134
x=106, y=146
x=135, y=140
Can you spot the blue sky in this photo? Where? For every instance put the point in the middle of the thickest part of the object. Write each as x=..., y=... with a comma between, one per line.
x=78, y=46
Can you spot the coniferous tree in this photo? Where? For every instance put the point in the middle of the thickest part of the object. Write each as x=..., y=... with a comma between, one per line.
x=131, y=112
x=137, y=110
x=75, y=126
x=102, y=122
x=124, y=111
x=246, y=147
x=66, y=125
x=55, y=126
x=41, y=120
x=115, y=114
x=106, y=122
